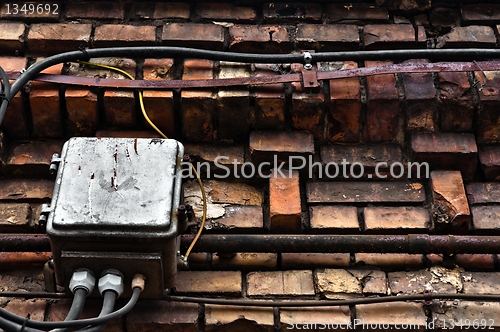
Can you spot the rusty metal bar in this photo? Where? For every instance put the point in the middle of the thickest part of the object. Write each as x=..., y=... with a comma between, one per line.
x=261, y=80
x=412, y=244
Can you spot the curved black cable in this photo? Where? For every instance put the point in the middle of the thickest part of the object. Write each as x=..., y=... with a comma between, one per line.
x=76, y=323
x=108, y=305
x=76, y=307
x=5, y=95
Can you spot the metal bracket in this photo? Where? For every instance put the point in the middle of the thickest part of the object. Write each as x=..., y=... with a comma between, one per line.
x=54, y=163
x=44, y=215
x=309, y=73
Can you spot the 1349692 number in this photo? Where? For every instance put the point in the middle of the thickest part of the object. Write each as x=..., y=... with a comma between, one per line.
x=467, y=324
x=26, y=9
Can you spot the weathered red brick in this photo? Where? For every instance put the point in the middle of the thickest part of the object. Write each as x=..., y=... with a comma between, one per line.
x=96, y=10
x=198, y=115
x=387, y=36
x=112, y=35
x=480, y=282
x=285, y=204
x=120, y=108
x=234, y=318
x=334, y=37
x=437, y=279
x=313, y=260
x=456, y=101
x=391, y=261
x=357, y=12
x=488, y=118
x=335, y=219
x=235, y=193
x=209, y=36
x=372, y=157
x=257, y=38
x=365, y=192
x=308, y=113
x=343, y=123
x=160, y=10
x=449, y=197
x=15, y=217
x=11, y=36
x=245, y=261
x=34, y=308
x=231, y=124
x=292, y=11
x=383, y=106
x=159, y=105
x=323, y=318
x=483, y=192
x=485, y=219
x=45, y=106
x=209, y=282
x=82, y=113
x=26, y=280
x=14, y=122
x=446, y=151
x=444, y=17
x=53, y=38
x=32, y=157
x=421, y=102
x=225, y=11
x=485, y=13
x=223, y=155
x=337, y=283
x=269, y=100
x=17, y=189
x=470, y=36
x=396, y=219
x=391, y=315
x=163, y=316
x=265, y=145
x=240, y=219
x=290, y=282
x=489, y=158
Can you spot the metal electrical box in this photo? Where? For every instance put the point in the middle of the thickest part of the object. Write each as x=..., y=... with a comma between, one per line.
x=115, y=205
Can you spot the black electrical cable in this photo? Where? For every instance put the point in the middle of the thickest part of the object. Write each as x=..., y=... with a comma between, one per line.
x=5, y=95
x=76, y=323
x=76, y=307
x=108, y=306
x=35, y=295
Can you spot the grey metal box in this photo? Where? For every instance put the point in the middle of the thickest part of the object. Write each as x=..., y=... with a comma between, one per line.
x=115, y=206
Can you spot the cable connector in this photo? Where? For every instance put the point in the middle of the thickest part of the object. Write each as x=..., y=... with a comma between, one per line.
x=82, y=278
x=138, y=281
x=111, y=280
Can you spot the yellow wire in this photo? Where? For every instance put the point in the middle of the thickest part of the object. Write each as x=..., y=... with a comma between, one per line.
x=143, y=109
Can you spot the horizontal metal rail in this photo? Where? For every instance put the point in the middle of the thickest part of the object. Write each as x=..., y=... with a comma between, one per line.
x=266, y=79
x=285, y=243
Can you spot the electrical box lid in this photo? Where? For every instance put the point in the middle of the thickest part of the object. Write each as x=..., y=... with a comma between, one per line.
x=116, y=186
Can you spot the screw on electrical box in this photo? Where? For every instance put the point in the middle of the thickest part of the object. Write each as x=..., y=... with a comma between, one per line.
x=54, y=163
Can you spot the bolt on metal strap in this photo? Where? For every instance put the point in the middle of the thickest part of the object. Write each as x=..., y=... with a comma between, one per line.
x=308, y=61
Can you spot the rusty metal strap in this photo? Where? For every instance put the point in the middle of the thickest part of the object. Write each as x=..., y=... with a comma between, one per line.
x=263, y=80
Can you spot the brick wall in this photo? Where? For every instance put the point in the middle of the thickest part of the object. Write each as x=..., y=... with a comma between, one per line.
x=445, y=119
